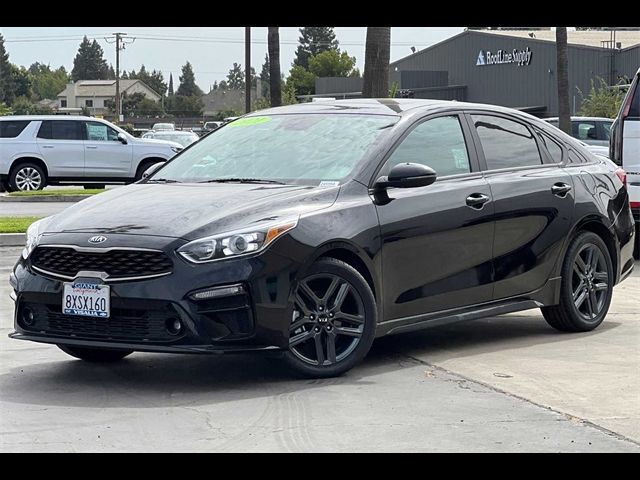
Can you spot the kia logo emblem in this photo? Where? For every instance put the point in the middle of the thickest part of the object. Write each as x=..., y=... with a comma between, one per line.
x=97, y=239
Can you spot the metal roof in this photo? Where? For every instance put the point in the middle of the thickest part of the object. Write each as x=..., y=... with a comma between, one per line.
x=590, y=38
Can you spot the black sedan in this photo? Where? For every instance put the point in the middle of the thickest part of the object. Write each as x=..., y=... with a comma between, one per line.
x=312, y=229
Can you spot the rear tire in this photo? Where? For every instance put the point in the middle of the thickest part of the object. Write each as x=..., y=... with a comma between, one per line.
x=95, y=355
x=586, y=286
x=334, y=320
x=27, y=176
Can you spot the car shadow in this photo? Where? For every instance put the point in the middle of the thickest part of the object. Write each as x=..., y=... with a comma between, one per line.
x=164, y=380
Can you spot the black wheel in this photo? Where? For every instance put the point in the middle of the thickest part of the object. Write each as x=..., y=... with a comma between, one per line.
x=586, y=288
x=334, y=320
x=98, y=355
x=94, y=186
x=636, y=250
x=143, y=168
x=27, y=176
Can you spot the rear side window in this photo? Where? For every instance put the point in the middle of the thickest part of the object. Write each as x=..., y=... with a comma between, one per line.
x=61, y=130
x=12, y=128
x=553, y=148
x=505, y=143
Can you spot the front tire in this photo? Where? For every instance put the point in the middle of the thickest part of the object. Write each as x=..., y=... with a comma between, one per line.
x=586, y=286
x=334, y=320
x=27, y=176
x=95, y=355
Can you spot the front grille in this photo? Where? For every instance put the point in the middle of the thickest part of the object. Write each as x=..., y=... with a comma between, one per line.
x=118, y=264
x=145, y=323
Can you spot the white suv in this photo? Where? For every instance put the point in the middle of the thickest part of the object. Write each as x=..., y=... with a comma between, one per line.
x=39, y=150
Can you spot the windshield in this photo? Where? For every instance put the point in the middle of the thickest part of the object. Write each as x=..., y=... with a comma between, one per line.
x=292, y=148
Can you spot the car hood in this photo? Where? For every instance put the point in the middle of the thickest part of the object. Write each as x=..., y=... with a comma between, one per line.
x=187, y=211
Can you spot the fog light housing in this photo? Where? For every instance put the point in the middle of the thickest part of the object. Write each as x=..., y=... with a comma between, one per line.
x=173, y=326
x=28, y=317
x=218, y=292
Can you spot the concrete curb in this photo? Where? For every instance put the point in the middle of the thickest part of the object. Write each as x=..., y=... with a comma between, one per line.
x=45, y=198
x=12, y=239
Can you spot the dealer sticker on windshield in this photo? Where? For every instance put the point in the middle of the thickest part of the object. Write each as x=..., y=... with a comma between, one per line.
x=329, y=183
x=86, y=299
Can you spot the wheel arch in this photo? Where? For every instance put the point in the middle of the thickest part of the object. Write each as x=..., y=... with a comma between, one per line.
x=29, y=159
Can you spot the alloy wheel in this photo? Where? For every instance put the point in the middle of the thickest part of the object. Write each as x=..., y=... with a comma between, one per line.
x=590, y=282
x=328, y=320
x=28, y=178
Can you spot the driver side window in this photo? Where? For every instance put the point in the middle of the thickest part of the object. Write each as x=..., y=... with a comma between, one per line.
x=437, y=143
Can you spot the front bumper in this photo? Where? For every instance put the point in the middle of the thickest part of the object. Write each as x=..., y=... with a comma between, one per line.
x=256, y=319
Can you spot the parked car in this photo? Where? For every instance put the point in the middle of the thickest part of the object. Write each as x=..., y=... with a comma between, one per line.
x=625, y=148
x=184, y=138
x=210, y=126
x=36, y=151
x=163, y=126
x=590, y=130
x=311, y=229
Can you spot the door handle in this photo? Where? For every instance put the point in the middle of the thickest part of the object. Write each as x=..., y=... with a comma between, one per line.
x=560, y=189
x=477, y=200
x=47, y=146
x=91, y=147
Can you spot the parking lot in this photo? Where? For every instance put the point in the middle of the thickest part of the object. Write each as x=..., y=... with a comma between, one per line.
x=507, y=383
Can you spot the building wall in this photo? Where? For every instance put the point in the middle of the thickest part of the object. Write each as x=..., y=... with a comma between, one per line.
x=508, y=84
x=140, y=88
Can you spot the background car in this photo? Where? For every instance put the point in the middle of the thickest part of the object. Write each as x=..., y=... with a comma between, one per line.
x=163, y=126
x=36, y=151
x=182, y=137
x=210, y=126
x=625, y=148
x=311, y=229
x=590, y=130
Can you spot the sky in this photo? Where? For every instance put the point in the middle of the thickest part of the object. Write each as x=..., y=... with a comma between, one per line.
x=211, y=51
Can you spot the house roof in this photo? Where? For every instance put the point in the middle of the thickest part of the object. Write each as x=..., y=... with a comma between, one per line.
x=100, y=88
x=590, y=38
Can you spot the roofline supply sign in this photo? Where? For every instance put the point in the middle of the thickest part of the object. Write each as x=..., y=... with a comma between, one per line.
x=521, y=58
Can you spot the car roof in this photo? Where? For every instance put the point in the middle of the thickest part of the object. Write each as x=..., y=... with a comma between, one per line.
x=49, y=117
x=383, y=106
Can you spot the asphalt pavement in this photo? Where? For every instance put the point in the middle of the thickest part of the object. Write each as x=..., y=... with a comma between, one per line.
x=507, y=383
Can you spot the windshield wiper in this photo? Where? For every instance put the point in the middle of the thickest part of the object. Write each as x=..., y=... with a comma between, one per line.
x=241, y=180
x=162, y=180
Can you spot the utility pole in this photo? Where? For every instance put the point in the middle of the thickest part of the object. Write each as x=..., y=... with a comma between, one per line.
x=120, y=45
x=247, y=69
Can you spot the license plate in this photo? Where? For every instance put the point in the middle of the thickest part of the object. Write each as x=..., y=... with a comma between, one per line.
x=86, y=299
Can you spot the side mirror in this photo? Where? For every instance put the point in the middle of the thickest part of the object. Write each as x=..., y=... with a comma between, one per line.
x=407, y=175
x=123, y=138
x=152, y=169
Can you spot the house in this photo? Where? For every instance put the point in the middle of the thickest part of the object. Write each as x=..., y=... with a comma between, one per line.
x=92, y=94
x=219, y=100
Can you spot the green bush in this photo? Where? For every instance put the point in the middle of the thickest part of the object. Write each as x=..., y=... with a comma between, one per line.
x=602, y=101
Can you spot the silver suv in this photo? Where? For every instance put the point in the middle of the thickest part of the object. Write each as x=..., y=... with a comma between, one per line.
x=36, y=151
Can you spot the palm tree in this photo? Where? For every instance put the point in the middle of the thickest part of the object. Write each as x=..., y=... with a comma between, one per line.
x=376, y=63
x=562, y=66
x=275, y=85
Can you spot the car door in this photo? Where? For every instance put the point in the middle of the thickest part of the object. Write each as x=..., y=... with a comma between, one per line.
x=436, y=240
x=533, y=201
x=104, y=154
x=61, y=146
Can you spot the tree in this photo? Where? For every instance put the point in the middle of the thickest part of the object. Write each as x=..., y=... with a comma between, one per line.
x=47, y=83
x=188, y=85
x=273, y=60
x=20, y=82
x=375, y=83
x=124, y=75
x=89, y=63
x=602, y=100
x=155, y=79
x=184, y=106
x=170, y=84
x=562, y=67
x=332, y=63
x=235, y=77
x=301, y=80
x=314, y=40
x=6, y=89
x=264, y=76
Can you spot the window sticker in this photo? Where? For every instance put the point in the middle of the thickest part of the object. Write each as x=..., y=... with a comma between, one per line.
x=247, y=122
x=97, y=132
x=329, y=183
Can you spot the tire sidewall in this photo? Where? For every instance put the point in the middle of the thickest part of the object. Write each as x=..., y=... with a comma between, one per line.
x=350, y=274
x=567, y=276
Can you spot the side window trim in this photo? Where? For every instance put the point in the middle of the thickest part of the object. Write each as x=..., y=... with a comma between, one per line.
x=480, y=150
x=471, y=152
x=547, y=158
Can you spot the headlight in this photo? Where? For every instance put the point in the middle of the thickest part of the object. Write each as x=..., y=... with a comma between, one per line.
x=33, y=236
x=236, y=243
x=176, y=149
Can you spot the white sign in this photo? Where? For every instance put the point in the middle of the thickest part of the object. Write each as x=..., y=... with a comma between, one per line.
x=520, y=57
